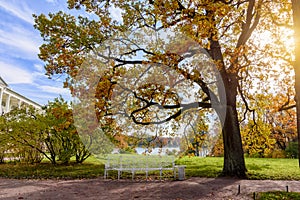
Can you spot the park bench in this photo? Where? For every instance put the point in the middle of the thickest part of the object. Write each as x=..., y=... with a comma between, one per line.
x=139, y=163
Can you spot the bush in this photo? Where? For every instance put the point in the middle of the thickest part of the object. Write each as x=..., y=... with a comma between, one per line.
x=292, y=150
x=30, y=155
x=2, y=153
x=277, y=154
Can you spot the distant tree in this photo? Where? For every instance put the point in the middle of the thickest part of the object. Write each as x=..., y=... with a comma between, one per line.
x=5, y=145
x=218, y=148
x=20, y=129
x=195, y=135
x=63, y=139
x=287, y=16
x=33, y=134
x=257, y=139
x=283, y=121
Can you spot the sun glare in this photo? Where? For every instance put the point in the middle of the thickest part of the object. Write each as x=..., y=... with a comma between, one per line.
x=276, y=51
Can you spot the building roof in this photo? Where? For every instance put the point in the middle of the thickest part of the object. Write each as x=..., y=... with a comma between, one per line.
x=23, y=97
x=2, y=82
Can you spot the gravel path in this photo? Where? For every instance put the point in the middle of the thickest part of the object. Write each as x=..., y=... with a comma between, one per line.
x=193, y=188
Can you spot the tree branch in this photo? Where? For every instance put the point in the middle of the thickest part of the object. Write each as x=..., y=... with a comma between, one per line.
x=287, y=107
x=249, y=26
x=246, y=104
x=183, y=107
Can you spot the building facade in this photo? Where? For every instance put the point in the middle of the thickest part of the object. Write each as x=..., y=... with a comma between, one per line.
x=10, y=99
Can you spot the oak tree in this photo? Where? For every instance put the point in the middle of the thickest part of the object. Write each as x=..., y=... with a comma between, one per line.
x=136, y=42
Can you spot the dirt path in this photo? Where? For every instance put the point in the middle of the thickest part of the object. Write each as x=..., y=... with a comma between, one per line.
x=193, y=188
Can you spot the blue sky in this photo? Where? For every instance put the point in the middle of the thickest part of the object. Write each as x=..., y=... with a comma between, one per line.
x=20, y=66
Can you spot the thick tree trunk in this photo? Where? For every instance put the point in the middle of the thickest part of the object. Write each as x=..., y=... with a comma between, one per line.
x=234, y=164
x=296, y=18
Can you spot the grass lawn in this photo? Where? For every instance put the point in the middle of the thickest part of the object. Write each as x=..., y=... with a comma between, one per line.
x=278, y=195
x=258, y=168
x=272, y=168
x=91, y=168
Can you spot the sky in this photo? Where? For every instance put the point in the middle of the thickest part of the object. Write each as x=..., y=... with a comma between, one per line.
x=20, y=66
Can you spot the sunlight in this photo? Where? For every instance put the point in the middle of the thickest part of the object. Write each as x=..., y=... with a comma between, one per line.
x=275, y=58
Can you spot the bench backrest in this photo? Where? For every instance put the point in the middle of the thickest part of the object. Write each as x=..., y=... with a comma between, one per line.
x=139, y=161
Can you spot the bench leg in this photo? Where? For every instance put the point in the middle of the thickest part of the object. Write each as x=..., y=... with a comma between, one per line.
x=174, y=171
x=132, y=172
x=160, y=173
x=119, y=174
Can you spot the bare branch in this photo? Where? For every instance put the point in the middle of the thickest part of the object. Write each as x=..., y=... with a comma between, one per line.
x=250, y=24
x=183, y=107
x=287, y=107
x=246, y=105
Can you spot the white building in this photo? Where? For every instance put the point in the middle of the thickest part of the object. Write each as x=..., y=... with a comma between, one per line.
x=10, y=99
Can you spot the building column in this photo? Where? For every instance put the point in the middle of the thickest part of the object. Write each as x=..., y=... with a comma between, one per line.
x=8, y=103
x=20, y=103
x=1, y=97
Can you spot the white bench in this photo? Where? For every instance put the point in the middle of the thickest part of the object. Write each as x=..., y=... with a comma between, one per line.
x=138, y=163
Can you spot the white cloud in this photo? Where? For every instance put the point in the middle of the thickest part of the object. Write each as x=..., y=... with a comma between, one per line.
x=55, y=90
x=18, y=9
x=20, y=41
x=14, y=75
x=54, y=2
x=41, y=98
x=39, y=68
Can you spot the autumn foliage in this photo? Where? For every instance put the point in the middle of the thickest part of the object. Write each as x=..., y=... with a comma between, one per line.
x=135, y=56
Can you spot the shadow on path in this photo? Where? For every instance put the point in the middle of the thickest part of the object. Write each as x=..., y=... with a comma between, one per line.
x=193, y=188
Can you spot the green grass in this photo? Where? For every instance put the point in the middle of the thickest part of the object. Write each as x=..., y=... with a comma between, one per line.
x=201, y=167
x=273, y=168
x=258, y=168
x=278, y=195
x=90, y=169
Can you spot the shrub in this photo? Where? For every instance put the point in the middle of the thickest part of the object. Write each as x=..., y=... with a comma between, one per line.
x=292, y=150
x=277, y=154
x=2, y=153
x=30, y=155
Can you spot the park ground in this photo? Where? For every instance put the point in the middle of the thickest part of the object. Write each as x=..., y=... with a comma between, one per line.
x=85, y=181
x=98, y=188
